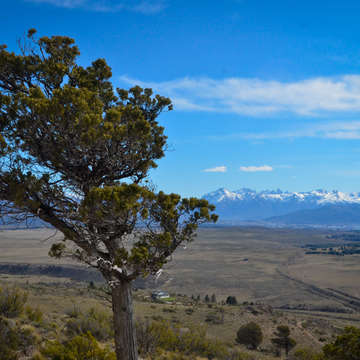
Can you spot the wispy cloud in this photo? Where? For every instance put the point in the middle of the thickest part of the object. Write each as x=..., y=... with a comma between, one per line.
x=256, y=168
x=218, y=169
x=61, y=3
x=349, y=130
x=144, y=7
x=149, y=7
x=346, y=130
x=309, y=97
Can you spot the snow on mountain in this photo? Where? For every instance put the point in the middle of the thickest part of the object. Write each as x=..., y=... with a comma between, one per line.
x=316, y=196
x=249, y=205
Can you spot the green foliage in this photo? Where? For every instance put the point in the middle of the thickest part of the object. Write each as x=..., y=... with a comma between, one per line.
x=65, y=130
x=151, y=251
x=27, y=339
x=14, y=341
x=345, y=346
x=147, y=338
x=81, y=347
x=95, y=321
x=9, y=341
x=283, y=339
x=12, y=301
x=69, y=129
x=57, y=250
x=250, y=335
x=34, y=314
x=161, y=335
x=307, y=354
x=47, y=83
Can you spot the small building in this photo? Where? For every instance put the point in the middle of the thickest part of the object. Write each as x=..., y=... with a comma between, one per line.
x=159, y=295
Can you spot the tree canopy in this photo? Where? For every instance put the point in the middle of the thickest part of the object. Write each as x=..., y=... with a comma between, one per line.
x=345, y=347
x=250, y=335
x=282, y=338
x=76, y=153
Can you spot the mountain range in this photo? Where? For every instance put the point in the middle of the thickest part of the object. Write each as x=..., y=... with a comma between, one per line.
x=283, y=208
x=275, y=208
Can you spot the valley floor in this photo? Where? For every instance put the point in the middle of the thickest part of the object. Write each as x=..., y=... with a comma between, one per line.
x=267, y=270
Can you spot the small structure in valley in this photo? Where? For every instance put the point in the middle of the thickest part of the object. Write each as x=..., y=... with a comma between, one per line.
x=159, y=295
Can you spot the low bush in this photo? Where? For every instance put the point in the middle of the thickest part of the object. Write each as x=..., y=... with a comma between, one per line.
x=81, y=347
x=12, y=301
x=15, y=341
x=232, y=355
x=9, y=341
x=306, y=354
x=146, y=338
x=95, y=321
x=33, y=314
x=160, y=336
x=27, y=339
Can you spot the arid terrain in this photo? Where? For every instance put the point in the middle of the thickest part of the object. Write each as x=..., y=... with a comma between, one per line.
x=254, y=264
x=267, y=270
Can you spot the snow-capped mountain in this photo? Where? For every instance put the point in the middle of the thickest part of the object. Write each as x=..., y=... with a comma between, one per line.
x=250, y=205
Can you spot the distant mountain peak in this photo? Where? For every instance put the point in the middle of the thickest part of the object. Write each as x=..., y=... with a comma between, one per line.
x=320, y=196
x=250, y=205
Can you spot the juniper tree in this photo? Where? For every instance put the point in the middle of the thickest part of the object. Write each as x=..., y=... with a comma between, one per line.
x=345, y=347
x=283, y=339
x=76, y=154
x=250, y=335
x=231, y=300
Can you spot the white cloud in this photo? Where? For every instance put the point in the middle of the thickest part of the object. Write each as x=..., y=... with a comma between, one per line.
x=220, y=169
x=149, y=7
x=144, y=7
x=256, y=168
x=338, y=130
x=348, y=130
x=309, y=97
x=62, y=3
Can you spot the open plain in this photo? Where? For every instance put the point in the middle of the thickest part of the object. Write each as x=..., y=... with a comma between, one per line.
x=254, y=264
x=267, y=270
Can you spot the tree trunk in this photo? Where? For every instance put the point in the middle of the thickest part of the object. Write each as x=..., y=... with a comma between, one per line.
x=125, y=337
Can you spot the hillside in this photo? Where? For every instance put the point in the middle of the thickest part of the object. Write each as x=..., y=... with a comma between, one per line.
x=57, y=309
x=331, y=215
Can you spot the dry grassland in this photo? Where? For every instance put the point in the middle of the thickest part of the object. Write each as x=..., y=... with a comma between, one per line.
x=253, y=264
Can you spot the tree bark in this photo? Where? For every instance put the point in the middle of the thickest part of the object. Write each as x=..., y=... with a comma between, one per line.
x=124, y=327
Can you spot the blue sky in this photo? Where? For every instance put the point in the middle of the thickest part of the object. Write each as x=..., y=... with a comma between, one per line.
x=266, y=93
